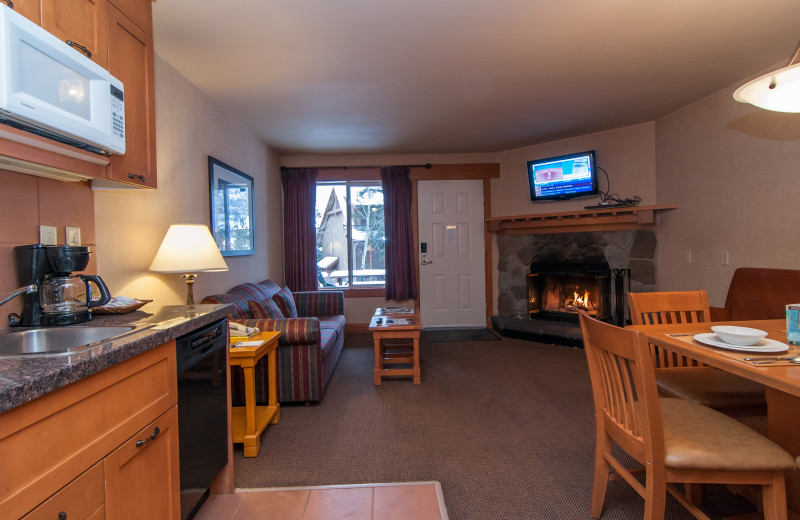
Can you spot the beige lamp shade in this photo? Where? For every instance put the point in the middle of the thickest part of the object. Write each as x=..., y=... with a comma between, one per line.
x=188, y=248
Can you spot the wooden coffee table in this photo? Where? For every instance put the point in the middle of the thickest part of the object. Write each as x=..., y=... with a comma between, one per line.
x=388, y=326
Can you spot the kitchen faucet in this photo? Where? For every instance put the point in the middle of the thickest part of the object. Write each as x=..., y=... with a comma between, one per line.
x=26, y=290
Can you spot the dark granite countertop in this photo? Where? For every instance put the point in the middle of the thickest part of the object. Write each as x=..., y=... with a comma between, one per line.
x=28, y=376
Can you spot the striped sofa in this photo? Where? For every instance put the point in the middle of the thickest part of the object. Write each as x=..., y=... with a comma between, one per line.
x=308, y=348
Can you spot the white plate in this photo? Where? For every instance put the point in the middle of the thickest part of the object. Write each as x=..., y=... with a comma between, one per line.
x=765, y=345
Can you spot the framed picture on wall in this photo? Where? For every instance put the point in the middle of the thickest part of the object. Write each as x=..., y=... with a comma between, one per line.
x=231, y=209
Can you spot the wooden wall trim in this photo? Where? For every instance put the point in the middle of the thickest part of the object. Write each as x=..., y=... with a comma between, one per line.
x=437, y=172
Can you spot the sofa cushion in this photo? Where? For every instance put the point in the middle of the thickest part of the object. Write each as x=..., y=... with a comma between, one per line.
x=285, y=302
x=294, y=331
x=255, y=291
x=264, y=309
x=240, y=311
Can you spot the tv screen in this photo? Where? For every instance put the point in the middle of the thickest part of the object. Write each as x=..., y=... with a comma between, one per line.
x=563, y=177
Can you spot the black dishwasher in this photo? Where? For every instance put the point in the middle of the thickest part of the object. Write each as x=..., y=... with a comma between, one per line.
x=202, y=411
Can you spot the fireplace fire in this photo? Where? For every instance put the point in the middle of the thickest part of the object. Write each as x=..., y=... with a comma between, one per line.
x=560, y=290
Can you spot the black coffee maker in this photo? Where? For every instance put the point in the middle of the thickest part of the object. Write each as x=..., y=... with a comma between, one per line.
x=61, y=298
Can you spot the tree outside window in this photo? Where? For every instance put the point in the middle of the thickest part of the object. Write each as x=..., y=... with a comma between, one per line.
x=351, y=238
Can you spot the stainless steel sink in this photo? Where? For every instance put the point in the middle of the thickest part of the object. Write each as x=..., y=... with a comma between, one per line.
x=57, y=340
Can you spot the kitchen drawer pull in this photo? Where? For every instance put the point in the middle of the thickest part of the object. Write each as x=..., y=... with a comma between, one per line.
x=156, y=431
x=140, y=177
x=80, y=47
x=9, y=3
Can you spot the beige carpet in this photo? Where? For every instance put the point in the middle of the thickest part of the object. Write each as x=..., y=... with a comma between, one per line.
x=506, y=427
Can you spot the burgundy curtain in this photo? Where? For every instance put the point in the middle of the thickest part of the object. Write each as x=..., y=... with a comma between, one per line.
x=299, y=231
x=401, y=278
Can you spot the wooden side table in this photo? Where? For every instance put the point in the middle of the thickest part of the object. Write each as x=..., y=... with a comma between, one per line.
x=250, y=421
x=388, y=327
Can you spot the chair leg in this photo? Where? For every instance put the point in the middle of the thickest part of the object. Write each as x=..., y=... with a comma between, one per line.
x=601, y=471
x=655, y=494
x=774, y=498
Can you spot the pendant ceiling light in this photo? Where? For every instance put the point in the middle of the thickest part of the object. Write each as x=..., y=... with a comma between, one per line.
x=779, y=90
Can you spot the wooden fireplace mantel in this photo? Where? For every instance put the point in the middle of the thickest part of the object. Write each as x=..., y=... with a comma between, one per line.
x=610, y=219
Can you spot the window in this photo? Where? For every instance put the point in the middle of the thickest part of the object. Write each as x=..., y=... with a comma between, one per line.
x=351, y=238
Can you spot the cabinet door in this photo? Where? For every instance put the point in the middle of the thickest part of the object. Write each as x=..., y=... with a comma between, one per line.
x=130, y=59
x=30, y=9
x=142, y=475
x=80, y=21
x=140, y=12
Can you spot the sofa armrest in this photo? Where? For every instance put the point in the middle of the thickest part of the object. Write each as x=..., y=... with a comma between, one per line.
x=294, y=331
x=720, y=314
x=319, y=303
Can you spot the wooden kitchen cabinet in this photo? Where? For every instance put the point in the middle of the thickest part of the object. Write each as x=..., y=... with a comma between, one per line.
x=49, y=445
x=30, y=9
x=81, y=499
x=120, y=38
x=142, y=475
x=130, y=56
x=139, y=12
x=80, y=21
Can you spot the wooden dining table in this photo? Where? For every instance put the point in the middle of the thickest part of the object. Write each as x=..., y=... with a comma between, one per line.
x=782, y=382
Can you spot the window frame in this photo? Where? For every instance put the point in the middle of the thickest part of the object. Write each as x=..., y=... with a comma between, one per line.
x=379, y=287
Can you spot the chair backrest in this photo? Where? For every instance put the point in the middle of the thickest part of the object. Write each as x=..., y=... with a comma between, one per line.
x=655, y=308
x=624, y=388
x=761, y=293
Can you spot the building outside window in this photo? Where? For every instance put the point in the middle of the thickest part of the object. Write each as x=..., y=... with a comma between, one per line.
x=351, y=237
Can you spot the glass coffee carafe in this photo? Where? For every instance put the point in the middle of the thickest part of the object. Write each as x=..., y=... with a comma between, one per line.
x=71, y=295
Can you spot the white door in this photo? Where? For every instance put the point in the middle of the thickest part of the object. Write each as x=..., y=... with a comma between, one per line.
x=451, y=272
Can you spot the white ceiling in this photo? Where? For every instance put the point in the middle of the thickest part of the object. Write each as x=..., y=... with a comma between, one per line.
x=457, y=76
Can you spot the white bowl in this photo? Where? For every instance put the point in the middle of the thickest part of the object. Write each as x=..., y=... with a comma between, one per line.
x=738, y=335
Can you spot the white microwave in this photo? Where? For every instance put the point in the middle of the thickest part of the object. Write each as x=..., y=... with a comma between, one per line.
x=53, y=90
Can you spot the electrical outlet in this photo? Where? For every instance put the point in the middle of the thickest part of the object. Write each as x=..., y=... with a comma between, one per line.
x=48, y=235
x=73, y=236
x=726, y=258
x=687, y=256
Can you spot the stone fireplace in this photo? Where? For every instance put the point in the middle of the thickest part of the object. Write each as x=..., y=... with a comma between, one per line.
x=608, y=258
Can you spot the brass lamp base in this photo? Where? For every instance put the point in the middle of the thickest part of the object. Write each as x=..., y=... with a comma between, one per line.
x=190, y=277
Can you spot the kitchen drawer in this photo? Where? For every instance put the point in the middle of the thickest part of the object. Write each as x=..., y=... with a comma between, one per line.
x=79, y=499
x=45, y=443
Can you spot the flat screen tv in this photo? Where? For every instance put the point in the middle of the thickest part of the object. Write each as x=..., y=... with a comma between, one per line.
x=563, y=177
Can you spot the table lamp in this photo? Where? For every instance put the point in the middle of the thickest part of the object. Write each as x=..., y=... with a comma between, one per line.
x=188, y=249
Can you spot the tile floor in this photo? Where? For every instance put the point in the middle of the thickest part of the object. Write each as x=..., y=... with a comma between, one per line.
x=417, y=500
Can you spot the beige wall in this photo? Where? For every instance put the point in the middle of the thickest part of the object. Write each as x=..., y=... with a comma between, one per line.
x=627, y=154
x=734, y=170
x=130, y=224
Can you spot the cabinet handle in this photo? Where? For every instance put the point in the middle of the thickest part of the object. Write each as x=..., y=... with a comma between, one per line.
x=80, y=47
x=156, y=431
x=62, y=515
x=10, y=4
x=140, y=177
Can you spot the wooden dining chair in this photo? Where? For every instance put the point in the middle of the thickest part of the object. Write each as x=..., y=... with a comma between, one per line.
x=676, y=441
x=687, y=378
